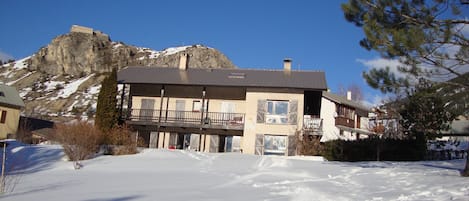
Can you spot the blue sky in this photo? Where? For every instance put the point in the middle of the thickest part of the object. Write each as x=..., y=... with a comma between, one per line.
x=252, y=34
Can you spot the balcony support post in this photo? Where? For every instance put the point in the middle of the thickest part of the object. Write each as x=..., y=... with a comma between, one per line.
x=159, y=118
x=204, y=92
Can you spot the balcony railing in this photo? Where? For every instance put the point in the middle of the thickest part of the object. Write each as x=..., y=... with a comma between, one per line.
x=344, y=121
x=313, y=125
x=187, y=117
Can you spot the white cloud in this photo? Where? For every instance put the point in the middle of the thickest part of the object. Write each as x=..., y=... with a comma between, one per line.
x=382, y=63
x=373, y=99
x=4, y=56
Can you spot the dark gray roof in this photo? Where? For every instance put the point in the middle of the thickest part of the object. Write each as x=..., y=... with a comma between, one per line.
x=343, y=100
x=224, y=77
x=10, y=97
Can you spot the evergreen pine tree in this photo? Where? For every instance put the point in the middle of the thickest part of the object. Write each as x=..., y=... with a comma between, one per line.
x=427, y=37
x=107, y=113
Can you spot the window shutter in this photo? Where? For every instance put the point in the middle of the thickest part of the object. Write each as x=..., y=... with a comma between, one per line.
x=4, y=117
x=291, y=145
x=259, y=149
x=261, y=111
x=293, y=112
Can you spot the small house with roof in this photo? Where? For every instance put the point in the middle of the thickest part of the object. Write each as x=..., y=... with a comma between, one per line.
x=344, y=118
x=10, y=109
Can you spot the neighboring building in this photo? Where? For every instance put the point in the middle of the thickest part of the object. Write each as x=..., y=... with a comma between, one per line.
x=253, y=111
x=10, y=109
x=385, y=123
x=343, y=118
x=33, y=130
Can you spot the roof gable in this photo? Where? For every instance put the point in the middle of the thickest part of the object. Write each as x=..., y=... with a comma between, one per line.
x=9, y=97
x=344, y=101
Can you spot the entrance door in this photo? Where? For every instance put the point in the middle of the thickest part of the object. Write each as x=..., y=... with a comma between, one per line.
x=228, y=143
x=182, y=140
x=221, y=143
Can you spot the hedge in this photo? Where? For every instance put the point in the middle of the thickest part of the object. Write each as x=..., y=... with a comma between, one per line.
x=373, y=149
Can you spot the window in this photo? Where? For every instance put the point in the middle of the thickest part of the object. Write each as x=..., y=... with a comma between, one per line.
x=2, y=94
x=3, y=117
x=346, y=112
x=275, y=145
x=147, y=110
x=277, y=112
x=197, y=106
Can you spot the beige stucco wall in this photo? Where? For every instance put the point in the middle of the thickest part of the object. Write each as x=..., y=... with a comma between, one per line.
x=11, y=124
x=251, y=127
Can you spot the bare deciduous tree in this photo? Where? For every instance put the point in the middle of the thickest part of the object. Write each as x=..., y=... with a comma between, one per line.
x=80, y=140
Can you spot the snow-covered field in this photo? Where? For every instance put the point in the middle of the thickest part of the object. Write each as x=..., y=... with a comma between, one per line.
x=186, y=175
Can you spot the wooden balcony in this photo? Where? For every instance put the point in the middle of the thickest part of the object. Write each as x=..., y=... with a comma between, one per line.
x=192, y=119
x=344, y=121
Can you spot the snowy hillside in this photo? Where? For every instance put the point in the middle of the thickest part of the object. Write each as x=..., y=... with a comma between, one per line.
x=185, y=175
x=66, y=94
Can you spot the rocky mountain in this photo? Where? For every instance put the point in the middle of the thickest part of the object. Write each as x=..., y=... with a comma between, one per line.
x=63, y=78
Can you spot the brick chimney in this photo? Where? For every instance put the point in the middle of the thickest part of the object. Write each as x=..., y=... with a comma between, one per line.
x=287, y=64
x=183, y=61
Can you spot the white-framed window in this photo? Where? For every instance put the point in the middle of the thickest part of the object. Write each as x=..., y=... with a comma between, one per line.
x=277, y=112
x=197, y=106
x=275, y=145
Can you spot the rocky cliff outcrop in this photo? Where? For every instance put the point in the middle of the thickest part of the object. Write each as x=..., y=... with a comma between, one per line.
x=79, y=53
x=64, y=77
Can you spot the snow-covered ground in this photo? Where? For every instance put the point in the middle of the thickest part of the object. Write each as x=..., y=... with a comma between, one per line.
x=186, y=175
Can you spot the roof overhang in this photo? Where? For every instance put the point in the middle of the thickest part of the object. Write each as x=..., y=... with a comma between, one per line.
x=355, y=130
x=306, y=80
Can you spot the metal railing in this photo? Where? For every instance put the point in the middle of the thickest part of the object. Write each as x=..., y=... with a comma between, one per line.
x=186, y=117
